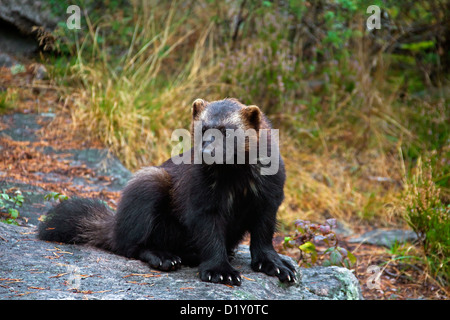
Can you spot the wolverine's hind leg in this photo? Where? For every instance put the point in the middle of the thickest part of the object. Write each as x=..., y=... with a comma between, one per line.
x=145, y=227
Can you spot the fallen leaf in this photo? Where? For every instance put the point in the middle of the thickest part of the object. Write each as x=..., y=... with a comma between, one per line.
x=145, y=275
x=59, y=275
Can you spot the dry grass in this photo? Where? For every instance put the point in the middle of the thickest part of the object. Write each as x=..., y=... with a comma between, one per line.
x=122, y=103
x=321, y=186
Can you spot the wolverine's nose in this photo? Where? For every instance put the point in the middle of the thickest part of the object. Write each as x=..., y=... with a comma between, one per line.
x=206, y=143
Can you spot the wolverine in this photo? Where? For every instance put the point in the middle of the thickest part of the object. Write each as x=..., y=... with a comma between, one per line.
x=192, y=214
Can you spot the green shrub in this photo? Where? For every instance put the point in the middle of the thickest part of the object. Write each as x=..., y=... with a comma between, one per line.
x=9, y=205
x=308, y=235
x=429, y=218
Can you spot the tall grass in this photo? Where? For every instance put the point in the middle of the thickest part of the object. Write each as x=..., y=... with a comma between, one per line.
x=131, y=99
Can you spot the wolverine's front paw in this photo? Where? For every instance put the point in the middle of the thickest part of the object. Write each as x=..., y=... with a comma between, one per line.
x=220, y=274
x=275, y=266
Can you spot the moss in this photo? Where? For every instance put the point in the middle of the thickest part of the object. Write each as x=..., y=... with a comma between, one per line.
x=350, y=286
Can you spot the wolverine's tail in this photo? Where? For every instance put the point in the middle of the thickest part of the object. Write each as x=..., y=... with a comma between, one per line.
x=79, y=221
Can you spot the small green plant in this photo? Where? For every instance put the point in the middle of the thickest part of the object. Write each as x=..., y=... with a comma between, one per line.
x=9, y=205
x=405, y=254
x=8, y=98
x=308, y=234
x=55, y=196
x=17, y=68
x=429, y=218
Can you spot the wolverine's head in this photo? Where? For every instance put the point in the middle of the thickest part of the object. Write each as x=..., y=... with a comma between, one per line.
x=228, y=113
x=227, y=131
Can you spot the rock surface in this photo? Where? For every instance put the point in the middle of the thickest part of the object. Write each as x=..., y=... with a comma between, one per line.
x=34, y=269
x=386, y=238
x=24, y=14
x=23, y=127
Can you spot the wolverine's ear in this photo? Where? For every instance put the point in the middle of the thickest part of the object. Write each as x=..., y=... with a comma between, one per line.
x=197, y=107
x=252, y=116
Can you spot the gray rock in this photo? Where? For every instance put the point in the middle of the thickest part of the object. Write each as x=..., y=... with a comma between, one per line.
x=23, y=127
x=343, y=229
x=24, y=14
x=34, y=269
x=40, y=72
x=387, y=238
x=16, y=44
x=6, y=60
x=101, y=161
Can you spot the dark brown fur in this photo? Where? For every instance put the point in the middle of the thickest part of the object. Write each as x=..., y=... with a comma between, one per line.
x=192, y=214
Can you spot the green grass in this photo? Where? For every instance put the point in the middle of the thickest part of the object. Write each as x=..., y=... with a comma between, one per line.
x=430, y=219
x=7, y=100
